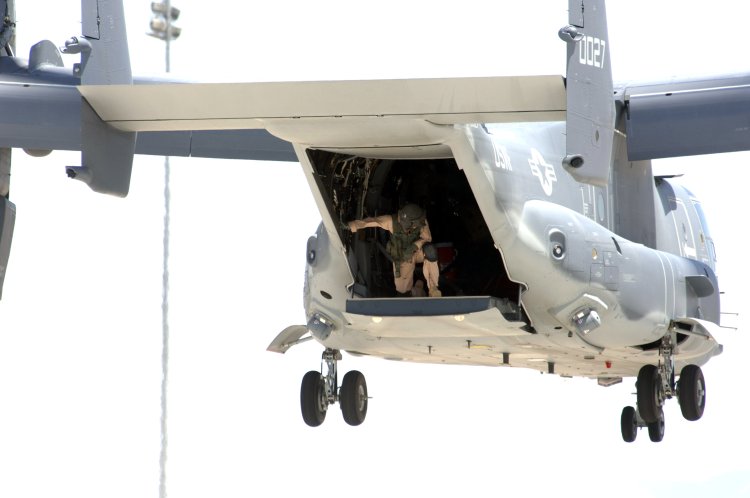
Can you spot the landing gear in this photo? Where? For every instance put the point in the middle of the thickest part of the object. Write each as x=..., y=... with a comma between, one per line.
x=320, y=390
x=312, y=399
x=629, y=424
x=649, y=395
x=656, y=384
x=656, y=428
x=353, y=398
x=692, y=392
x=631, y=421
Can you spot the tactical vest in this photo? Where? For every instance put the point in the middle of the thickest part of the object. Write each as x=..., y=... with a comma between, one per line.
x=401, y=246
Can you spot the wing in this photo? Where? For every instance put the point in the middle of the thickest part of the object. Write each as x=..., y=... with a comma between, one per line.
x=47, y=116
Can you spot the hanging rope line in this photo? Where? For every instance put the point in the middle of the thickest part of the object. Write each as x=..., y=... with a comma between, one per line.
x=162, y=28
x=165, y=336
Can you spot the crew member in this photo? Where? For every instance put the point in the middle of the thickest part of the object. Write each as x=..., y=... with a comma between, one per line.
x=409, y=245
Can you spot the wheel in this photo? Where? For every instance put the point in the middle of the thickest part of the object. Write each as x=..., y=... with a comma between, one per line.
x=656, y=429
x=647, y=387
x=692, y=392
x=353, y=398
x=312, y=399
x=629, y=424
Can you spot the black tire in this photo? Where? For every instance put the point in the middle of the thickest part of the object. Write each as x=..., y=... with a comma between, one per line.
x=692, y=392
x=353, y=398
x=312, y=399
x=656, y=429
x=647, y=387
x=628, y=424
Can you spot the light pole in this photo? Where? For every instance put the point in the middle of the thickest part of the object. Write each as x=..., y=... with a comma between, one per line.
x=161, y=24
x=163, y=29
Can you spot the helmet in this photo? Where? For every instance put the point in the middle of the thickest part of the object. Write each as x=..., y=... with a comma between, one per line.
x=411, y=217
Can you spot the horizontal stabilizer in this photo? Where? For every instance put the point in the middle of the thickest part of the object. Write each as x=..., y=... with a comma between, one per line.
x=223, y=106
x=48, y=117
x=689, y=117
x=257, y=145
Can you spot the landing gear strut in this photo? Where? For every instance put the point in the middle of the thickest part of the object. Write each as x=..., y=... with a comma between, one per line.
x=656, y=384
x=320, y=390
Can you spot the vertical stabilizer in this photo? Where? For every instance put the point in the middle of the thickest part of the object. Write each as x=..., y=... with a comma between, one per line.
x=590, y=101
x=7, y=28
x=7, y=223
x=106, y=153
x=103, y=23
x=7, y=214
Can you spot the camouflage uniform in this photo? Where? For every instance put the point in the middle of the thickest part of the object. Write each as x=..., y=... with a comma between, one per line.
x=405, y=249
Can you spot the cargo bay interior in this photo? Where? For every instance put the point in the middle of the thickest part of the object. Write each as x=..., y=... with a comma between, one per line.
x=356, y=187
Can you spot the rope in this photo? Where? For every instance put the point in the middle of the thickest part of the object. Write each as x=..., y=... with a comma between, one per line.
x=165, y=290
x=165, y=337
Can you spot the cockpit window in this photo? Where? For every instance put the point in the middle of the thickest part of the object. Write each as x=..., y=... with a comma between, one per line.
x=702, y=217
x=705, y=233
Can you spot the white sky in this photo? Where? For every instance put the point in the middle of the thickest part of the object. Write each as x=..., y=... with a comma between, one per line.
x=80, y=340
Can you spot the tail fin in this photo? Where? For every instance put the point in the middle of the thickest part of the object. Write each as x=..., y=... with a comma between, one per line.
x=104, y=27
x=106, y=153
x=7, y=214
x=7, y=28
x=590, y=96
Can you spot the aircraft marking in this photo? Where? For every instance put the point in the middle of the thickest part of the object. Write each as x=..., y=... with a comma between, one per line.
x=591, y=51
x=502, y=159
x=542, y=170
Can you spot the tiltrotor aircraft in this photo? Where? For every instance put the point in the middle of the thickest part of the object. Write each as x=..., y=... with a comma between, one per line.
x=558, y=248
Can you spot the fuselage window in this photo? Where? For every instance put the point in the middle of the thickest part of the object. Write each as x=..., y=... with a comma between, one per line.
x=601, y=207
